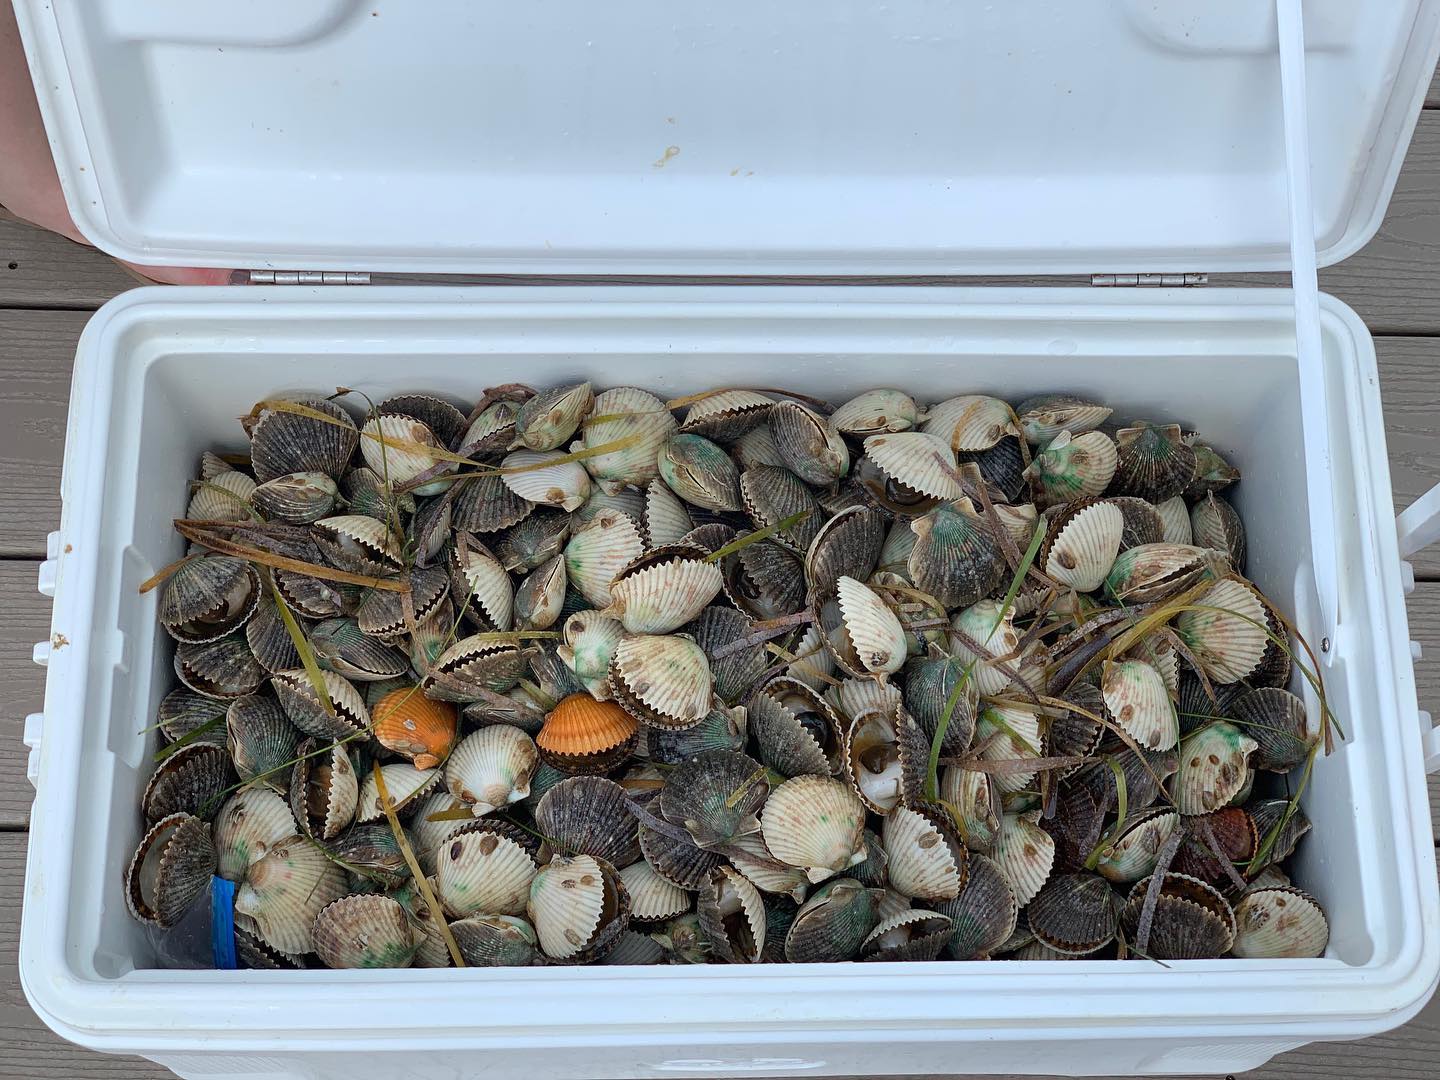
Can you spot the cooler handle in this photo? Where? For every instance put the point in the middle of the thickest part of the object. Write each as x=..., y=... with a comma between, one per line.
x=1417, y=527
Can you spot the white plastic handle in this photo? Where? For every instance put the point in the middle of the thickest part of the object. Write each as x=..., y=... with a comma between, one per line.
x=1418, y=525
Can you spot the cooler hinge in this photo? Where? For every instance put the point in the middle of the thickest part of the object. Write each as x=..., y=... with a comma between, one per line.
x=309, y=277
x=1147, y=281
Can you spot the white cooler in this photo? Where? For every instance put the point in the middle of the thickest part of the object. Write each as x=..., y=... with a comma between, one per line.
x=331, y=141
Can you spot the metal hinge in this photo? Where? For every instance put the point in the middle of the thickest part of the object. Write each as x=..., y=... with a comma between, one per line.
x=1148, y=281
x=309, y=277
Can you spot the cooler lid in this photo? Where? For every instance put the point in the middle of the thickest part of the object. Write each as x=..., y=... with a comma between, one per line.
x=645, y=136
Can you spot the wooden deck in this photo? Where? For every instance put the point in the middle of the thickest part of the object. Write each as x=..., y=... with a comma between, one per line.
x=49, y=285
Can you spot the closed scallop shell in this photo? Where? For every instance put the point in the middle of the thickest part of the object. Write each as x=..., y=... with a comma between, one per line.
x=973, y=795
x=833, y=924
x=1143, y=772
x=700, y=472
x=957, y=558
x=475, y=667
x=483, y=873
x=913, y=934
x=1072, y=467
x=261, y=741
x=726, y=415
x=193, y=780
x=1077, y=732
x=663, y=589
x=364, y=492
x=223, y=669
x=1214, y=767
x=324, y=790
x=917, y=462
x=714, y=796
x=757, y=447
x=404, y=783
x=283, y=442
x=496, y=941
x=1144, y=573
x=206, y=599
x=184, y=713
x=852, y=697
x=983, y=915
x=226, y=496
x=1215, y=524
x=1212, y=472
x=302, y=705
x=874, y=632
x=491, y=768
x=809, y=444
x=414, y=726
x=1279, y=825
x=679, y=862
x=795, y=731
x=773, y=495
x=1191, y=921
x=1133, y=852
x=299, y=498
x=1276, y=720
x=982, y=624
x=815, y=823
x=876, y=412
x=1280, y=922
x=1075, y=914
x=1230, y=832
x=590, y=815
x=270, y=642
x=478, y=575
x=922, y=862
x=551, y=416
x=1152, y=461
x=341, y=646
x=546, y=478
x=732, y=915
x=1047, y=415
x=169, y=870
x=364, y=931
x=486, y=502
x=661, y=680
x=1137, y=698
x=652, y=898
x=1226, y=629
x=585, y=736
x=600, y=549
x=736, y=672
x=666, y=520
x=629, y=414
x=1083, y=546
x=930, y=681
x=400, y=448
x=724, y=728
x=533, y=541
x=1143, y=524
x=1025, y=854
x=970, y=422
x=579, y=908
x=286, y=889
x=1175, y=521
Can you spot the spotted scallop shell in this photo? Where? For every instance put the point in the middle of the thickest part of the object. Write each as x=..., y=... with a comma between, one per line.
x=590, y=642
x=546, y=478
x=1072, y=467
x=403, y=783
x=1025, y=854
x=982, y=623
x=1146, y=572
x=626, y=413
x=661, y=680
x=483, y=873
x=364, y=932
x=970, y=422
x=923, y=863
x=815, y=823
x=1214, y=767
x=550, y=417
x=600, y=549
x=1280, y=922
x=479, y=576
x=1134, y=850
x=1226, y=629
x=663, y=589
x=1138, y=699
x=914, y=461
x=247, y=824
x=491, y=768
x=873, y=631
x=1083, y=545
x=414, y=726
x=876, y=412
x=579, y=908
x=286, y=889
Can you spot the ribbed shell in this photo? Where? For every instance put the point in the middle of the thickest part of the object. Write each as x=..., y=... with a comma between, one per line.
x=1137, y=698
x=983, y=915
x=589, y=815
x=1152, y=462
x=652, y=898
x=1009, y=733
x=366, y=494
x=663, y=681
x=757, y=447
x=382, y=612
x=286, y=889
x=1212, y=472
x=493, y=430
x=192, y=780
x=1083, y=547
x=301, y=704
x=1046, y=415
x=1192, y=921
x=772, y=495
x=921, y=462
x=1267, y=815
x=1143, y=573
x=876, y=412
x=1075, y=914
x=726, y=415
x=491, y=768
x=414, y=726
x=735, y=673
x=666, y=519
x=1025, y=854
x=1175, y=521
x=920, y=862
x=1215, y=524
x=577, y=905
x=427, y=836
x=439, y=415
x=1280, y=922
x=358, y=543
x=226, y=496
x=483, y=873
x=487, y=503
x=852, y=697
x=551, y=416
x=700, y=472
x=1275, y=719
x=600, y=549
x=473, y=665
x=537, y=477
x=956, y=556
x=1230, y=642
x=813, y=665
x=815, y=823
x=732, y=915
x=261, y=741
x=634, y=949
x=1073, y=467
x=679, y=862
x=1214, y=766
x=969, y=791
x=808, y=444
x=582, y=735
x=299, y=498
x=873, y=763
x=913, y=934
x=714, y=796
x=833, y=924
x=270, y=643
x=982, y=624
x=534, y=541
x=929, y=682
x=663, y=589
x=169, y=869
x=634, y=414
x=183, y=711
x=784, y=743
x=404, y=783
x=847, y=545
x=1133, y=853
x=219, y=669
x=749, y=855
x=590, y=642
x=874, y=632
x=364, y=932
x=398, y=448
x=324, y=790
x=764, y=580
x=495, y=941
x=286, y=442
x=1233, y=833
x=970, y=421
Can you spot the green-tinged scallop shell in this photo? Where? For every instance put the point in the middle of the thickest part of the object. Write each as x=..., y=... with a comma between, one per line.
x=359, y=544
x=663, y=589
x=626, y=414
x=551, y=416
x=269, y=640
x=534, y=541
x=661, y=680
x=1150, y=571
x=590, y=815
x=833, y=924
x=590, y=642
x=283, y=442
x=922, y=860
x=715, y=796
x=772, y=495
x=795, y=731
x=974, y=804
x=600, y=549
x=1133, y=851
x=1280, y=922
x=193, y=780
x=286, y=889
x=261, y=741
x=1226, y=629
x=815, y=823
x=809, y=444
x=876, y=412
x=324, y=790
x=474, y=667
x=970, y=422
x=1275, y=719
x=982, y=624
x=297, y=697
x=491, y=768
x=1137, y=699
x=1045, y=416
x=1152, y=461
x=1072, y=467
x=540, y=597
x=1082, y=544
x=1075, y=914
x=169, y=869
x=726, y=415
x=984, y=914
x=919, y=469
x=957, y=558
x=483, y=873
x=652, y=898
x=208, y=598
x=732, y=916
x=764, y=580
x=222, y=669
x=700, y=473
x=1215, y=524
x=579, y=908
x=364, y=492
x=1025, y=854
x=1191, y=920
x=364, y=932
x=1214, y=766
x=722, y=729
x=930, y=682
x=545, y=478
x=1212, y=472
x=496, y=941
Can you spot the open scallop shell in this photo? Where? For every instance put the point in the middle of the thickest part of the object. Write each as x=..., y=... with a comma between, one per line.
x=192, y=780
x=772, y=495
x=1144, y=573
x=284, y=442
x=1072, y=467
x=1287, y=825
x=847, y=545
x=815, y=823
x=726, y=415
x=917, y=467
x=661, y=680
x=546, y=479
x=652, y=898
x=1233, y=833
x=1280, y=922
x=972, y=794
x=1174, y=521
x=732, y=915
x=1133, y=852
x=589, y=815
x=833, y=924
x=809, y=444
x=491, y=768
x=324, y=790
x=923, y=863
x=533, y=541
x=1083, y=544
x=479, y=577
x=297, y=697
x=364, y=932
x=475, y=667
x=483, y=873
x=751, y=857
x=1138, y=700
x=495, y=941
x=551, y=416
x=208, y=598
x=286, y=889
x=579, y=908
x=913, y=934
x=1025, y=854
x=1226, y=630
x=663, y=589
x=600, y=549
x=359, y=544
x=1047, y=415
x=764, y=580
x=382, y=613
x=795, y=730
x=169, y=869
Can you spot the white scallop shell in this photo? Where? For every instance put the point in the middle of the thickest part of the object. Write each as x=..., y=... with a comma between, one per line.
x=969, y=792
x=1025, y=854
x=981, y=623
x=426, y=836
x=918, y=460
x=483, y=873
x=565, y=484
x=636, y=414
x=920, y=863
x=590, y=641
x=373, y=534
x=403, y=782
x=1018, y=521
x=1133, y=855
x=970, y=422
x=598, y=550
x=567, y=901
x=285, y=890
x=662, y=598
x=1229, y=640
x=491, y=768
x=490, y=587
x=1280, y=922
x=851, y=697
x=666, y=519
x=652, y=897
x=1213, y=767
x=1138, y=700
x=873, y=629
x=1007, y=732
x=1174, y=521
x=876, y=412
x=816, y=823
x=1085, y=548
x=813, y=665
x=396, y=448
x=230, y=503
x=666, y=673
x=248, y=823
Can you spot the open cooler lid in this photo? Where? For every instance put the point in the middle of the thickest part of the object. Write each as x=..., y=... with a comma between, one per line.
x=1053, y=136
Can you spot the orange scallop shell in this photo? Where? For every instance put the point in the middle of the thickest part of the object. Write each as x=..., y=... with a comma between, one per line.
x=582, y=735
x=408, y=722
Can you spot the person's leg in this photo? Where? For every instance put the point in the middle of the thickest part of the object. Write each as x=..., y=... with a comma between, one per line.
x=29, y=187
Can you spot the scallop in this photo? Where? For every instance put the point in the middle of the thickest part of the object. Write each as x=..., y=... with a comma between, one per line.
x=1191, y=920
x=986, y=624
x=475, y=667
x=1010, y=734
x=661, y=680
x=833, y=924
x=364, y=932
x=652, y=898
x=589, y=815
x=590, y=642
x=922, y=862
x=809, y=444
x=1152, y=461
x=666, y=520
x=483, y=873
x=1280, y=922
x=222, y=669
x=491, y=768
x=546, y=478
x=773, y=496
x=1074, y=914
x=749, y=855
x=1025, y=854
x=324, y=790
x=1133, y=851
x=1145, y=573
x=795, y=731
x=493, y=430
x=1214, y=766
x=726, y=415
x=224, y=496
x=1226, y=629
x=283, y=442
x=533, y=541
x=582, y=735
x=286, y=889
x=496, y=941
x=984, y=913
x=663, y=590
x=1083, y=545
x=1072, y=467
x=876, y=412
x=873, y=631
x=169, y=869
x=579, y=908
x=414, y=726
x=359, y=544
x=1215, y=524
x=1136, y=696
x=192, y=780
x=1212, y=472
x=815, y=823
x=346, y=717
x=403, y=783
x=551, y=416
x=299, y=498
x=975, y=801
x=919, y=469
x=341, y=646
x=957, y=558
x=261, y=741
x=487, y=502
x=700, y=472
x=485, y=584
x=1045, y=416
x=913, y=934
x=732, y=916
x=637, y=418
x=600, y=549
x=208, y=598
x=715, y=796
x=1276, y=720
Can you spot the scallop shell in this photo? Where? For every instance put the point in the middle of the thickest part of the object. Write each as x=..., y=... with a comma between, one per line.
x=579, y=908
x=1143, y=772
x=288, y=442
x=652, y=898
x=1025, y=854
x=633, y=415
x=808, y=443
x=1133, y=852
x=915, y=462
x=582, y=735
x=796, y=733
x=982, y=624
x=254, y=954
x=1076, y=734
x=224, y=496
x=1152, y=461
x=439, y=415
x=929, y=683
x=261, y=741
x=367, y=494
x=221, y=669
x=913, y=934
x=533, y=541
x=358, y=543
x=1192, y=921
x=726, y=415
x=852, y=697
x=1279, y=827
x=414, y=726
x=749, y=855
x=1215, y=524
x=496, y=941
x=302, y=705
x=872, y=628
x=169, y=869
x=737, y=671
x=663, y=681
x=1002, y=467
x=341, y=646
x=700, y=473
x=473, y=667
x=972, y=794
x=299, y=498
x=364, y=932
x=1174, y=521
x=208, y=598
x=732, y=916
x=1145, y=573
x=589, y=815
x=922, y=863
x=970, y=421
x=1075, y=914
x=876, y=412
x=491, y=768
x=487, y=502
x=1214, y=765
x=1226, y=630
x=714, y=796
x=815, y=823
x=400, y=448
x=185, y=713
x=833, y=924
x=600, y=549
x=666, y=519
x=662, y=590
x=757, y=447
x=1275, y=719
x=270, y=642
x=956, y=557
x=286, y=889
x=546, y=478
x=772, y=495
x=885, y=752
x=382, y=612
x=1137, y=698
x=1233, y=833
x=1018, y=521
x=590, y=642
x=1212, y=472
x=483, y=873
x=1280, y=922
x=764, y=580
x=404, y=783
x=1009, y=733
x=1083, y=545
x=1047, y=415
x=812, y=664
x=193, y=780
x=324, y=790
x=479, y=577
x=983, y=915
x=848, y=545
x=678, y=862
x=1196, y=707
x=1072, y=467
x=551, y=416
